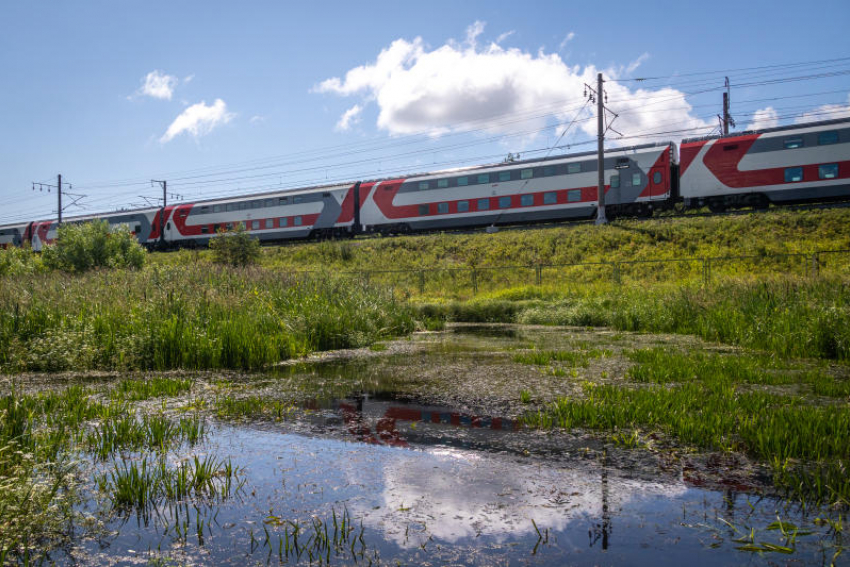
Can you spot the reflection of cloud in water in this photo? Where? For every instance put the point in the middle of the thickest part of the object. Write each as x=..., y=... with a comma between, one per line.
x=457, y=494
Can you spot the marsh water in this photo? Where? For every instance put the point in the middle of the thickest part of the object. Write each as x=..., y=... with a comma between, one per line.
x=435, y=475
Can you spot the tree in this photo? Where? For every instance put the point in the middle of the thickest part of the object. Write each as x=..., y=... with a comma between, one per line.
x=235, y=247
x=95, y=244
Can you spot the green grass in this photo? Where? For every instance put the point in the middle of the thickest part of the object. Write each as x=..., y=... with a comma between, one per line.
x=138, y=390
x=709, y=401
x=792, y=317
x=189, y=317
x=759, y=234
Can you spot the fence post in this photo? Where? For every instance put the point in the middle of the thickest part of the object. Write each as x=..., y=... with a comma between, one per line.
x=538, y=273
x=706, y=271
x=815, y=265
x=616, y=272
x=422, y=282
x=474, y=281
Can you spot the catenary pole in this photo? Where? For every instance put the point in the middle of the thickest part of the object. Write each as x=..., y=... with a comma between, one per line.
x=600, y=157
x=59, y=198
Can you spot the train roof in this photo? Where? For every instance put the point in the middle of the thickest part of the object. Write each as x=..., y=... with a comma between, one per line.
x=785, y=128
x=522, y=162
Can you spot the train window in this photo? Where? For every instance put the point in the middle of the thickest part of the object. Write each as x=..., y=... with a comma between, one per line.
x=282, y=201
x=231, y=207
x=282, y=222
x=793, y=174
x=229, y=226
x=257, y=205
x=574, y=195
x=269, y=223
x=526, y=200
x=795, y=142
x=550, y=198
x=574, y=168
x=423, y=210
x=298, y=199
x=216, y=227
x=615, y=181
x=828, y=171
x=526, y=174
x=730, y=147
x=549, y=170
x=297, y=221
x=326, y=194
x=656, y=177
x=484, y=178
x=461, y=181
x=205, y=209
x=442, y=208
x=443, y=183
x=168, y=226
x=216, y=208
x=504, y=176
x=636, y=179
x=504, y=202
x=826, y=138
x=462, y=206
x=622, y=163
x=270, y=202
x=205, y=229
x=255, y=225
x=483, y=204
x=423, y=185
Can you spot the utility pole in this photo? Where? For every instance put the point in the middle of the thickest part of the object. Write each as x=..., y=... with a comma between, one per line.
x=727, y=119
x=600, y=156
x=599, y=96
x=76, y=198
x=59, y=198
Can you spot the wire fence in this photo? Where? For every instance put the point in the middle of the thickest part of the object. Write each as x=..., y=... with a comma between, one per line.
x=472, y=281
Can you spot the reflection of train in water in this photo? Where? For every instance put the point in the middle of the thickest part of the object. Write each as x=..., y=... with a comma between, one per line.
x=789, y=164
x=380, y=421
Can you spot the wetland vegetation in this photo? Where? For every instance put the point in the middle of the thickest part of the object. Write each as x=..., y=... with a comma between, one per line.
x=183, y=410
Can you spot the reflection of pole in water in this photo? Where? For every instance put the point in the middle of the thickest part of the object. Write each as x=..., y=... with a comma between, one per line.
x=606, y=518
x=603, y=530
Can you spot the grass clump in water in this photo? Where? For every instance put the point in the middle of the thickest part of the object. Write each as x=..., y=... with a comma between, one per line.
x=142, y=483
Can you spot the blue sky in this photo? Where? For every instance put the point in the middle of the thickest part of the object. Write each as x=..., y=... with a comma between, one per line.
x=255, y=96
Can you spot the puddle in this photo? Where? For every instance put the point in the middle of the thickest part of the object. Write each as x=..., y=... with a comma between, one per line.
x=427, y=482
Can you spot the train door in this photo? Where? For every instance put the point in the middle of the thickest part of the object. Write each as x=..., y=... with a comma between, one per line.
x=659, y=182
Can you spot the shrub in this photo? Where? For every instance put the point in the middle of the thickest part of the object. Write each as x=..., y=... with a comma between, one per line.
x=235, y=247
x=82, y=247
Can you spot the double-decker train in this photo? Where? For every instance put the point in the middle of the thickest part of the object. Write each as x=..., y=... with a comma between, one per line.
x=788, y=164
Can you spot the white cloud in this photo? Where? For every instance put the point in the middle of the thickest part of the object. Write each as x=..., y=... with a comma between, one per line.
x=158, y=85
x=764, y=118
x=349, y=117
x=636, y=63
x=189, y=78
x=566, y=40
x=198, y=120
x=504, y=36
x=448, y=88
x=826, y=112
x=256, y=119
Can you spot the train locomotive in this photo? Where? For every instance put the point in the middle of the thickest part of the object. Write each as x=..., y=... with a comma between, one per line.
x=788, y=164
